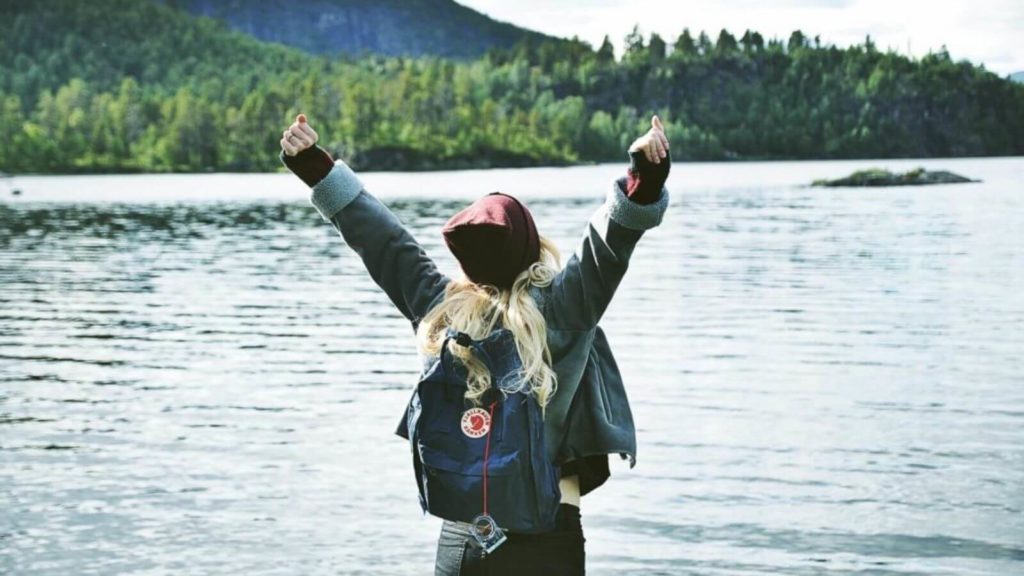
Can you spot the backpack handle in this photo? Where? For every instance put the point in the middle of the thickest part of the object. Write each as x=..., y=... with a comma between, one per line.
x=463, y=339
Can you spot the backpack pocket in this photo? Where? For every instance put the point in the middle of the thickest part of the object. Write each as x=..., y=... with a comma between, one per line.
x=454, y=489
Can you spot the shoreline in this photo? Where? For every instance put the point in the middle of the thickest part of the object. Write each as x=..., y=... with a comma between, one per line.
x=407, y=169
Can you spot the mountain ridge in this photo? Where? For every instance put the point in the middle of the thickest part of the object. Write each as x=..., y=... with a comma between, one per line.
x=388, y=27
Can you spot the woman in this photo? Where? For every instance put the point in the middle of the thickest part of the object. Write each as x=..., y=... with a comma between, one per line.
x=512, y=275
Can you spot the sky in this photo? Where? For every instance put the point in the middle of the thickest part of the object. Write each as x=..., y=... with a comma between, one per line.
x=989, y=32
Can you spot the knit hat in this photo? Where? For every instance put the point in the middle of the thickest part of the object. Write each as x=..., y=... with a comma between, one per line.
x=494, y=239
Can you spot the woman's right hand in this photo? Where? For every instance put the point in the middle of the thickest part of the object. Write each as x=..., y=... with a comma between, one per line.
x=298, y=137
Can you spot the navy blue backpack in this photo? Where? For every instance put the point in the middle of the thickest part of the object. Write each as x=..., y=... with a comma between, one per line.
x=481, y=460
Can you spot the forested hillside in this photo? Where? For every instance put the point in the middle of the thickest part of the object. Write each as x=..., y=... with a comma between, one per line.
x=387, y=27
x=133, y=85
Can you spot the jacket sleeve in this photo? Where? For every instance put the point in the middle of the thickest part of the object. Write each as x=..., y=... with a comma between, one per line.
x=394, y=259
x=582, y=291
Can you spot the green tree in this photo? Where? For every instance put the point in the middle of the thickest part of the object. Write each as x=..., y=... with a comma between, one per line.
x=726, y=43
x=606, y=53
x=685, y=45
x=656, y=48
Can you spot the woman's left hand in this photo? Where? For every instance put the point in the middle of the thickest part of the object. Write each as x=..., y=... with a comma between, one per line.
x=298, y=137
x=654, y=144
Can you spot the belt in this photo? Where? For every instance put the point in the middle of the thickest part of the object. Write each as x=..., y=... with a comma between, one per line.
x=566, y=520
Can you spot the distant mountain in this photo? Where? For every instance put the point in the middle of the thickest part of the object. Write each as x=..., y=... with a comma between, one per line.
x=391, y=27
x=1017, y=76
x=43, y=45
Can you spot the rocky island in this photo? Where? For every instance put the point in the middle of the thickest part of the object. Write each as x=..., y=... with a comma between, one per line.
x=879, y=177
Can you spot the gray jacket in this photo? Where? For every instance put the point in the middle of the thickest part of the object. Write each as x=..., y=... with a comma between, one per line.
x=589, y=415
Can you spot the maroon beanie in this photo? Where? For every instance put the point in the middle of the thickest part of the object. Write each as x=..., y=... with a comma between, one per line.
x=494, y=239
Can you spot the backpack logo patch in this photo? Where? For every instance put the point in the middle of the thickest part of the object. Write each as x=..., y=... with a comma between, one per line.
x=475, y=422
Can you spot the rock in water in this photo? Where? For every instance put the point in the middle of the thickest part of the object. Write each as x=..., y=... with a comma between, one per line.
x=879, y=177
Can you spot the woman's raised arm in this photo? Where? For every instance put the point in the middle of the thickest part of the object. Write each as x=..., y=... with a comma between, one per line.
x=394, y=259
x=582, y=291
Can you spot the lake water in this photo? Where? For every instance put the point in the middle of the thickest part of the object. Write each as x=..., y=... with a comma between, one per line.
x=197, y=376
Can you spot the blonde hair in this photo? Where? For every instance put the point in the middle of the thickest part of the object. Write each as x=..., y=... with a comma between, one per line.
x=476, y=308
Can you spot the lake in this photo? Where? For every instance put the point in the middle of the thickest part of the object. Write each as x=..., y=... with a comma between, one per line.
x=197, y=375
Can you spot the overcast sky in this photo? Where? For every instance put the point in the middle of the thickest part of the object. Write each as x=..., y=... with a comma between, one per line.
x=983, y=31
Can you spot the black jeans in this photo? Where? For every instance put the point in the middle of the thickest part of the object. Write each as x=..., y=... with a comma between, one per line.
x=556, y=553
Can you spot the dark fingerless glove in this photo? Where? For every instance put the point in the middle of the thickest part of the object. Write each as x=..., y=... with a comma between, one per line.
x=311, y=165
x=646, y=179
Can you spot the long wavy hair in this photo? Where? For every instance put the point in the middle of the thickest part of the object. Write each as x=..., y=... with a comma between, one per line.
x=476, y=309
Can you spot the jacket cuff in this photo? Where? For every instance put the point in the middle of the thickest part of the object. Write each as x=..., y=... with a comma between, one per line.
x=631, y=214
x=337, y=190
